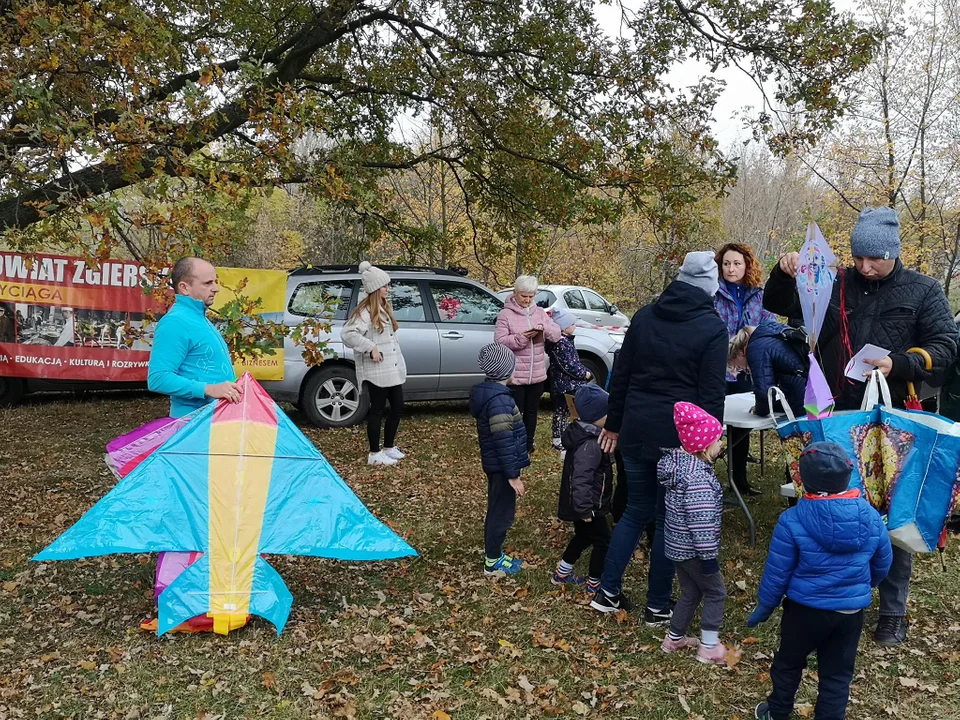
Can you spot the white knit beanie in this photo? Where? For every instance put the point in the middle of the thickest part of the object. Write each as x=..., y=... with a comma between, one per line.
x=373, y=277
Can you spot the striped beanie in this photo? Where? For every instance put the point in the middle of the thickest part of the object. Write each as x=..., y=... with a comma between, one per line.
x=497, y=361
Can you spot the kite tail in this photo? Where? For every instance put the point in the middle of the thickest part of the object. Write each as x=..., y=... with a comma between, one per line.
x=270, y=598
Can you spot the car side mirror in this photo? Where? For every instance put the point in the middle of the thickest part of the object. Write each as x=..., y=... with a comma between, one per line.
x=613, y=309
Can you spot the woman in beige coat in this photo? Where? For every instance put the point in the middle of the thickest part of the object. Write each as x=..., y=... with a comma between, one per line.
x=371, y=332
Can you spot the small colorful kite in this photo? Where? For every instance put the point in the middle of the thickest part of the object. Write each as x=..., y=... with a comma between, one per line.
x=234, y=482
x=816, y=274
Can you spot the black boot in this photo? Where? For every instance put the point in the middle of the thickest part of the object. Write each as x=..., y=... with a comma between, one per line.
x=891, y=630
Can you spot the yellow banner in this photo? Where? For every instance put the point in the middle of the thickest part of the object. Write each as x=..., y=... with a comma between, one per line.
x=271, y=287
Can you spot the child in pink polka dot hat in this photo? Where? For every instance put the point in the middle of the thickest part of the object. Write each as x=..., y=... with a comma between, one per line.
x=694, y=503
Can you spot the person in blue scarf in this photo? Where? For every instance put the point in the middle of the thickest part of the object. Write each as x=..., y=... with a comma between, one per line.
x=739, y=303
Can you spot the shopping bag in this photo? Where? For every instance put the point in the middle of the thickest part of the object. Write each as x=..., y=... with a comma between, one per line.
x=905, y=463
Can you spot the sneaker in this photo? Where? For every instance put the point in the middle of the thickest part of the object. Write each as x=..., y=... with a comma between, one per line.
x=592, y=585
x=394, y=453
x=606, y=604
x=670, y=645
x=570, y=578
x=717, y=655
x=557, y=445
x=501, y=565
x=513, y=560
x=762, y=712
x=658, y=618
x=380, y=458
x=891, y=630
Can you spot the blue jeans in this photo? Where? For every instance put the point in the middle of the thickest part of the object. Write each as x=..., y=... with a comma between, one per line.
x=645, y=502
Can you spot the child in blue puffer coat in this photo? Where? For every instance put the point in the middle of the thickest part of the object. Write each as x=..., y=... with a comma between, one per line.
x=826, y=555
x=566, y=373
x=503, y=452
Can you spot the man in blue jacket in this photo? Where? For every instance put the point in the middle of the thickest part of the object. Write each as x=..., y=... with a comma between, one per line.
x=826, y=555
x=190, y=360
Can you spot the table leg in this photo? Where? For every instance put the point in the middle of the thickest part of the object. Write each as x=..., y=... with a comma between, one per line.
x=736, y=491
x=763, y=469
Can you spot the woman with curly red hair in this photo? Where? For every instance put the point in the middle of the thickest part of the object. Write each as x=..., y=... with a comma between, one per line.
x=739, y=303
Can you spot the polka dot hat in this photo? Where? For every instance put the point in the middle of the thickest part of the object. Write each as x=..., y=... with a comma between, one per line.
x=697, y=428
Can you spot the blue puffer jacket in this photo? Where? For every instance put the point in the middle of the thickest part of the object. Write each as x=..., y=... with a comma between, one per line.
x=774, y=361
x=827, y=553
x=500, y=430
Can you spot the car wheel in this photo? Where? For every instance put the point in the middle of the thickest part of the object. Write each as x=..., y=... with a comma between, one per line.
x=331, y=398
x=597, y=369
x=11, y=390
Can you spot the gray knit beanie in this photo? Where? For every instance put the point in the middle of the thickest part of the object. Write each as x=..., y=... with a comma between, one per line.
x=876, y=234
x=700, y=270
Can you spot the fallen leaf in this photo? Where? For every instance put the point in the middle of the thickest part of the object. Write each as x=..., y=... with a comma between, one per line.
x=440, y=715
x=683, y=703
x=749, y=641
x=909, y=682
x=804, y=710
x=733, y=657
x=741, y=584
x=580, y=709
x=269, y=680
x=525, y=684
x=87, y=665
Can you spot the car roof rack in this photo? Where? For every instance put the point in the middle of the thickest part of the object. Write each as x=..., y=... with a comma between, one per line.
x=453, y=270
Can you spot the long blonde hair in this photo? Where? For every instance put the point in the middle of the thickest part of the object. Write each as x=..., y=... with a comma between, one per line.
x=738, y=343
x=377, y=310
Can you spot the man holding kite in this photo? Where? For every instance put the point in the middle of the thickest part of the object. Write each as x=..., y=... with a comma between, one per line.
x=190, y=360
x=880, y=302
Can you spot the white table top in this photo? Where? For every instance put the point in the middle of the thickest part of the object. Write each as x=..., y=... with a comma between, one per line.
x=736, y=413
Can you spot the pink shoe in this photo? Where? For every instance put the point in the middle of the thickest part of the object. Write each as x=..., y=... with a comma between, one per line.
x=671, y=646
x=717, y=655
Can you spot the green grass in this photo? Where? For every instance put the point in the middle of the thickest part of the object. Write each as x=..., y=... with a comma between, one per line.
x=413, y=638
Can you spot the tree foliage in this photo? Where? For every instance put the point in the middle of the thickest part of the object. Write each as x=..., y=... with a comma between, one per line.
x=214, y=95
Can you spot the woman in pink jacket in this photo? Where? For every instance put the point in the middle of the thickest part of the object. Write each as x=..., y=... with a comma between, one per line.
x=523, y=326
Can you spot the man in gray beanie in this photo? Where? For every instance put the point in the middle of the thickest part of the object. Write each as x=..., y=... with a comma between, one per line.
x=675, y=349
x=892, y=307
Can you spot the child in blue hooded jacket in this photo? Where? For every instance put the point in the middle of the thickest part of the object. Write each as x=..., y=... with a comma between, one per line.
x=503, y=453
x=826, y=555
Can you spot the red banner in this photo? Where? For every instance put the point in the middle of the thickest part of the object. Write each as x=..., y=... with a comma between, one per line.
x=61, y=319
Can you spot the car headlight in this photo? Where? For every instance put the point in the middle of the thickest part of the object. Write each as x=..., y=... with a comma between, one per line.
x=617, y=337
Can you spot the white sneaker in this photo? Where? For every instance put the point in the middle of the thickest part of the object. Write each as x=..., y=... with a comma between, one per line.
x=394, y=453
x=380, y=458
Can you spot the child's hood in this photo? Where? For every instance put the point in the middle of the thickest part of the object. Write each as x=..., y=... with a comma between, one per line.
x=838, y=524
x=484, y=392
x=678, y=466
x=577, y=433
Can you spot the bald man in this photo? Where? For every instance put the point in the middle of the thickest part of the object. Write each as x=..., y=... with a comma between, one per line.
x=190, y=360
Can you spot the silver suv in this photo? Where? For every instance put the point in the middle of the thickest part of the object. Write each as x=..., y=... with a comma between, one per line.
x=445, y=318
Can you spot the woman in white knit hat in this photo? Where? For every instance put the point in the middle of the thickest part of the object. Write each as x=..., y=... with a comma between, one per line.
x=371, y=332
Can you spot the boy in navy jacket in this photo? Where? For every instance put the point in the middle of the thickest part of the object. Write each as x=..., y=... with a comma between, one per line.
x=826, y=555
x=503, y=452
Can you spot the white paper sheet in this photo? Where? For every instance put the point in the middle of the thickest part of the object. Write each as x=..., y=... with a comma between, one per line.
x=857, y=367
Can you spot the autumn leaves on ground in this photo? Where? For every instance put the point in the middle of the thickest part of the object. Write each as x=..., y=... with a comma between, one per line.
x=416, y=638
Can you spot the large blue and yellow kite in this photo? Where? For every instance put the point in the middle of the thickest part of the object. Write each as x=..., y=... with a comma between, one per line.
x=236, y=481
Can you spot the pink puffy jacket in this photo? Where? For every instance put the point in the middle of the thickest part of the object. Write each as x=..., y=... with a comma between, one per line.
x=512, y=322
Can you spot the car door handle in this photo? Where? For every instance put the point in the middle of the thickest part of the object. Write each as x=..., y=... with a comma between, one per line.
x=452, y=335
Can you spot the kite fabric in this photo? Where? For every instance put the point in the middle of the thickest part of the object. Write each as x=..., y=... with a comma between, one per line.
x=816, y=273
x=236, y=481
x=905, y=463
x=124, y=453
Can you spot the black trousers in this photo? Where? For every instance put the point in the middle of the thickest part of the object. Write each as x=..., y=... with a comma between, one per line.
x=834, y=637
x=527, y=398
x=739, y=438
x=378, y=404
x=501, y=509
x=595, y=533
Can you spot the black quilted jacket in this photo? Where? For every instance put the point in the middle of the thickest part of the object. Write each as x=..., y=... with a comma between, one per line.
x=906, y=309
